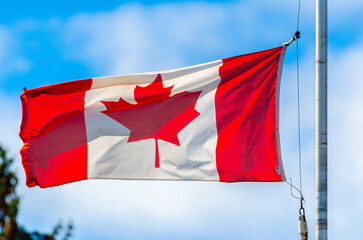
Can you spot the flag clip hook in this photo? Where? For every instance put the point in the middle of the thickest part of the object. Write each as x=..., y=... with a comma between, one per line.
x=295, y=37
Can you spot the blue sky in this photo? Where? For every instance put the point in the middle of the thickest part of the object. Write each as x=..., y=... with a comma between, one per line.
x=48, y=42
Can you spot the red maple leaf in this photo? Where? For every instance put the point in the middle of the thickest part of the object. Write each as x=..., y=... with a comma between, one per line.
x=156, y=114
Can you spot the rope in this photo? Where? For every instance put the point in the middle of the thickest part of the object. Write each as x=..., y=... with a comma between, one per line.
x=298, y=16
x=296, y=37
x=303, y=227
x=291, y=187
x=297, y=34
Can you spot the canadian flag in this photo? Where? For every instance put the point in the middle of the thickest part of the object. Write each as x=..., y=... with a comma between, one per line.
x=216, y=121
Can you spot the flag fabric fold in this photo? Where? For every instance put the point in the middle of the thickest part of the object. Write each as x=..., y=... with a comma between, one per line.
x=216, y=121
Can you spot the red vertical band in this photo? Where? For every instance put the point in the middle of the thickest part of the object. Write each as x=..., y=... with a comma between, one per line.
x=246, y=118
x=54, y=134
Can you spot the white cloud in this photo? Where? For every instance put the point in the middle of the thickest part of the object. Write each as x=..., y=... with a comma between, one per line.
x=10, y=112
x=135, y=38
x=345, y=139
x=10, y=117
x=10, y=59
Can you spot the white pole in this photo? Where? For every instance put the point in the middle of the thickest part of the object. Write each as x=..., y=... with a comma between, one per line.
x=321, y=121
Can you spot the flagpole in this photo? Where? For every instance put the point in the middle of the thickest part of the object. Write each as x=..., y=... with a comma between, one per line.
x=321, y=121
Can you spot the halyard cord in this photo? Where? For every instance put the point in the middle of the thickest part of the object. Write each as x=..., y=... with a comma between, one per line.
x=291, y=187
x=303, y=230
x=296, y=37
x=298, y=88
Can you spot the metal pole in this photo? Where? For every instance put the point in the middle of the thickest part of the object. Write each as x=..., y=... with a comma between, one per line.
x=321, y=121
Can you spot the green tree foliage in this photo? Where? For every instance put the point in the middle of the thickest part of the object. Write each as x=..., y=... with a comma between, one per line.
x=9, y=203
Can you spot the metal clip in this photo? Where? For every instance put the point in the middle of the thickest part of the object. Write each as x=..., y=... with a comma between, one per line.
x=302, y=224
x=295, y=37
